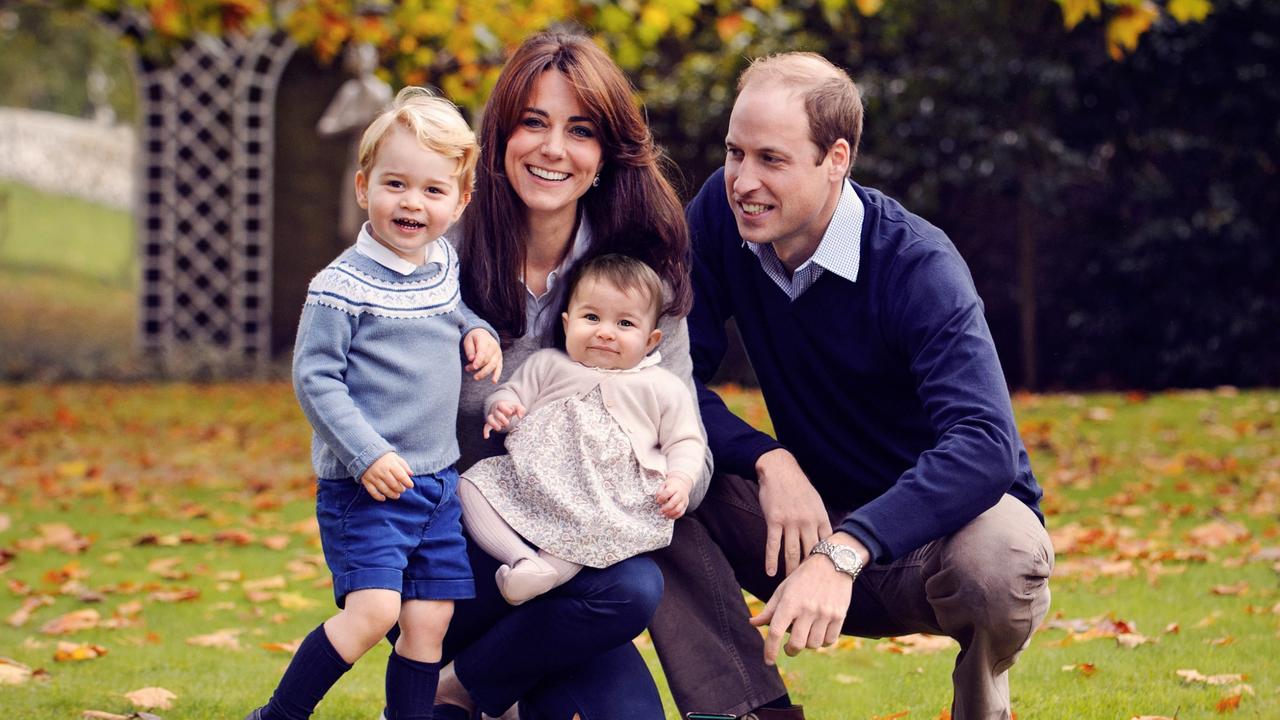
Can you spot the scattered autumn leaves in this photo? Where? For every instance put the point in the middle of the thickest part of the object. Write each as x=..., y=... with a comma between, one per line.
x=1146, y=501
x=158, y=521
x=92, y=588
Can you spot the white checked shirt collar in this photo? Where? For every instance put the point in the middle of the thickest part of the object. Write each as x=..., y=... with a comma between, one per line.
x=377, y=252
x=839, y=250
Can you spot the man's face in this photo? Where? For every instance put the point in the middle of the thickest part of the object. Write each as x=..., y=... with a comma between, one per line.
x=779, y=193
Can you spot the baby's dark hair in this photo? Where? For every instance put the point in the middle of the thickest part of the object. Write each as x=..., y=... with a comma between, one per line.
x=625, y=273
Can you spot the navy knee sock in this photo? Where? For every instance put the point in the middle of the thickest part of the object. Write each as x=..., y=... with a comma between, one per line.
x=411, y=688
x=314, y=669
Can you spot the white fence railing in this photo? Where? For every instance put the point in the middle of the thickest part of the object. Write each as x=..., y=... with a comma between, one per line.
x=68, y=156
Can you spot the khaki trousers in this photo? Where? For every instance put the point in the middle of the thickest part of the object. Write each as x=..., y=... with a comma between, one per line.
x=986, y=586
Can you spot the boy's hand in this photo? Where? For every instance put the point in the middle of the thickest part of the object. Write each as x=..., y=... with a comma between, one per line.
x=387, y=477
x=673, y=496
x=484, y=354
x=501, y=416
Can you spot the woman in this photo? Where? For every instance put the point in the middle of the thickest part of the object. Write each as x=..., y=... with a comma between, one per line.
x=569, y=171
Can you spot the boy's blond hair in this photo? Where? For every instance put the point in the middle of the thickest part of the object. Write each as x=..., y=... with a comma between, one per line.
x=627, y=274
x=438, y=125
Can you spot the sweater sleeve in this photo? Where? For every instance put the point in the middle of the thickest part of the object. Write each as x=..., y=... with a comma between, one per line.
x=676, y=360
x=734, y=443
x=472, y=321
x=934, y=318
x=526, y=383
x=319, y=366
x=680, y=436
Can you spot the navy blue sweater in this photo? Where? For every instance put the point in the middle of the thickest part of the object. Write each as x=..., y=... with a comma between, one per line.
x=887, y=390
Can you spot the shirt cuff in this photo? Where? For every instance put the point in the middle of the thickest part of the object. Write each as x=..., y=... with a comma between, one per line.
x=366, y=457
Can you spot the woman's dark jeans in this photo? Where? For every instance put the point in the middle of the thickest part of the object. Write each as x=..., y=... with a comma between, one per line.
x=565, y=652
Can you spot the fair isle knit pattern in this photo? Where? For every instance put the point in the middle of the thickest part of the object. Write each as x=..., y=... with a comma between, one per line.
x=343, y=286
x=377, y=365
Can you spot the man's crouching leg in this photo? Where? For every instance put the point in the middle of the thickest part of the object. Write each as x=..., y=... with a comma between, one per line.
x=988, y=585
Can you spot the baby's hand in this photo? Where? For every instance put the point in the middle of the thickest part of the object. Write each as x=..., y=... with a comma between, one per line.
x=501, y=416
x=673, y=496
x=484, y=354
x=387, y=477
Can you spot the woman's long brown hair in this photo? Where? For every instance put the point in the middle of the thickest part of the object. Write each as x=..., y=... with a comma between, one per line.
x=634, y=211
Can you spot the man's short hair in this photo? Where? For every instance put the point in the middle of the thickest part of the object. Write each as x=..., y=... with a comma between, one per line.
x=437, y=124
x=831, y=100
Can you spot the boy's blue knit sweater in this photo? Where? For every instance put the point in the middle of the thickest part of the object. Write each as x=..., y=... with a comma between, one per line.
x=378, y=362
x=887, y=390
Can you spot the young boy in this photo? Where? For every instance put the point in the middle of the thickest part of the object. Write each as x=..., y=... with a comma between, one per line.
x=377, y=371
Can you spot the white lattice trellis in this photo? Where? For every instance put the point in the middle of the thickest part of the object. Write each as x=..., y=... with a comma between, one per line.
x=205, y=211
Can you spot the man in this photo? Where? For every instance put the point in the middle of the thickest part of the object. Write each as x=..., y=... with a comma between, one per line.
x=898, y=497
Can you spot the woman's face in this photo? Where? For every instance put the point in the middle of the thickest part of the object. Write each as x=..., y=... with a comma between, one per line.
x=554, y=152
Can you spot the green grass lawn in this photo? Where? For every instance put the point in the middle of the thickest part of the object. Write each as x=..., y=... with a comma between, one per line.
x=123, y=499
x=68, y=287
x=44, y=232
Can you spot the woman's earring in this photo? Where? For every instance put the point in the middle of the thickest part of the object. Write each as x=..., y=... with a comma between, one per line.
x=596, y=182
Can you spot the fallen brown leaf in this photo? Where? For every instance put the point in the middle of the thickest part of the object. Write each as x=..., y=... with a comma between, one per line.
x=1217, y=534
x=1229, y=703
x=151, y=697
x=227, y=639
x=73, y=652
x=916, y=644
x=13, y=672
x=19, y=617
x=175, y=595
x=274, y=582
x=1085, y=669
x=74, y=621
x=1132, y=640
x=294, y=601
x=290, y=647
x=1194, y=676
x=1234, y=590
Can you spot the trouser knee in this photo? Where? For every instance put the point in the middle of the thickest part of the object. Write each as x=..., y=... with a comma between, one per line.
x=631, y=594
x=990, y=579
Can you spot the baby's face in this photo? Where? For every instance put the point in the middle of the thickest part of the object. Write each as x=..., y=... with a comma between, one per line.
x=608, y=327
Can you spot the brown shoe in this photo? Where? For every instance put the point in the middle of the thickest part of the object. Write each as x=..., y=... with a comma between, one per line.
x=795, y=712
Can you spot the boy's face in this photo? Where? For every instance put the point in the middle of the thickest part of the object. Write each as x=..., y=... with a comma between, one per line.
x=411, y=193
x=607, y=327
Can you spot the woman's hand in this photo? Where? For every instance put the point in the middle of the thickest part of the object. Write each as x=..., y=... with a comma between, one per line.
x=501, y=416
x=673, y=496
x=484, y=354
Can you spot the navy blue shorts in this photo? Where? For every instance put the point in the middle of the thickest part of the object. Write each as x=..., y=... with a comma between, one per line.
x=412, y=545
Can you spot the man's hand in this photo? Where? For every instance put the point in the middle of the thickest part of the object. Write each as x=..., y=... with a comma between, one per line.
x=501, y=416
x=812, y=603
x=673, y=496
x=387, y=477
x=484, y=354
x=793, y=510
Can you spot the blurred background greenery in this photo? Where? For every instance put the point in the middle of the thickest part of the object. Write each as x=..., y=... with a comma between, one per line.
x=1107, y=167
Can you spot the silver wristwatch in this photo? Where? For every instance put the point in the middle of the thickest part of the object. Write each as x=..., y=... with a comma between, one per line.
x=845, y=558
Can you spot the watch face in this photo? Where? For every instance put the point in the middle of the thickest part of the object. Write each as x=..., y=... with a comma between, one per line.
x=845, y=559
